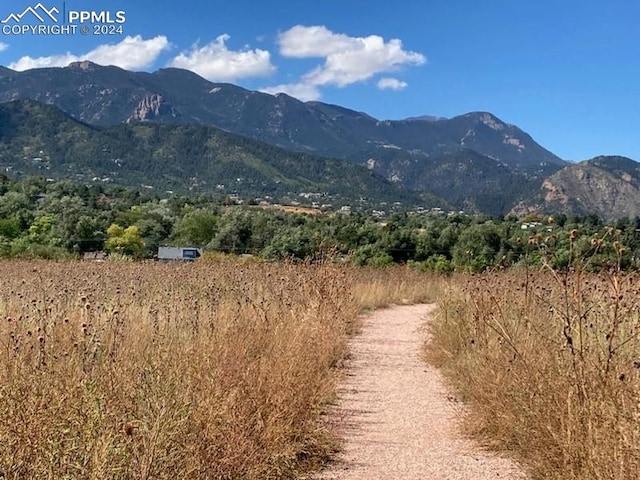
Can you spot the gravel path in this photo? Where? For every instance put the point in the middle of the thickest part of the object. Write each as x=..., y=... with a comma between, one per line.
x=396, y=417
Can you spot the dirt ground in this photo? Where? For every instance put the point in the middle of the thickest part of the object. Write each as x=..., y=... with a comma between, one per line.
x=395, y=414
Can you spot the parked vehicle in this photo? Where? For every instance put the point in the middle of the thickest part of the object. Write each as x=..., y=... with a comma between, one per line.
x=179, y=253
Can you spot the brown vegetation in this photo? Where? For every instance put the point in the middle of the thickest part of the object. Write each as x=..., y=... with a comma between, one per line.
x=550, y=364
x=381, y=287
x=166, y=371
x=214, y=369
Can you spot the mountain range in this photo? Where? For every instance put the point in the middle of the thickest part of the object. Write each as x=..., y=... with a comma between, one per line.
x=608, y=186
x=474, y=161
x=40, y=139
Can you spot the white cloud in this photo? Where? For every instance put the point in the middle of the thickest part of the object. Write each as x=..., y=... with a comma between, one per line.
x=388, y=83
x=216, y=62
x=3, y=46
x=373, y=55
x=314, y=41
x=301, y=91
x=347, y=60
x=131, y=53
x=27, y=63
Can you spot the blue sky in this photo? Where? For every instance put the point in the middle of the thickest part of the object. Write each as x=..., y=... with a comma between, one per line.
x=564, y=71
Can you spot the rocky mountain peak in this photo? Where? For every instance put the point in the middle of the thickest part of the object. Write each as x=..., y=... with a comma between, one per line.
x=150, y=108
x=488, y=119
x=608, y=186
x=84, y=65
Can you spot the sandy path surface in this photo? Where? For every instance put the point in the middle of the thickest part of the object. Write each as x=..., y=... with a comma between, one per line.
x=395, y=415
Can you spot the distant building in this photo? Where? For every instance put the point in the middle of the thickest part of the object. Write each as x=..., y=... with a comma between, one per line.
x=528, y=225
x=179, y=253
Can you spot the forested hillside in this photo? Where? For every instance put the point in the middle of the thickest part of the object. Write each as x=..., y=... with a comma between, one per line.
x=39, y=139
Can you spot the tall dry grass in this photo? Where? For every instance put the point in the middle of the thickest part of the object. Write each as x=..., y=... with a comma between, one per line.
x=141, y=370
x=382, y=287
x=550, y=365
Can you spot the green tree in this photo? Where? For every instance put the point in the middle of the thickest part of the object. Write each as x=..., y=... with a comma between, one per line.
x=477, y=247
x=196, y=227
x=124, y=241
x=40, y=229
x=291, y=242
x=17, y=205
x=371, y=255
x=234, y=233
x=77, y=227
x=9, y=228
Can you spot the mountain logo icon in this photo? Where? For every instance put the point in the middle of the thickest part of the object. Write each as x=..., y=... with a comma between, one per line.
x=39, y=11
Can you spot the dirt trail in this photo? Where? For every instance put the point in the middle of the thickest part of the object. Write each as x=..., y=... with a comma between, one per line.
x=395, y=414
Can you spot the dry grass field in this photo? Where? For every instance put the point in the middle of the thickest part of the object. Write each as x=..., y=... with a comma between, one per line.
x=145, y=370
x=375, y=287
x=215, y=369
x=550, y=364
x=222, y=369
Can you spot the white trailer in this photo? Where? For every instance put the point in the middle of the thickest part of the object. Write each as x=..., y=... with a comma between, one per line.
x=179, y=253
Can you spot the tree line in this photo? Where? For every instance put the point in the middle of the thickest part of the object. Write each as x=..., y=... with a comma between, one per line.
x=63, y=219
